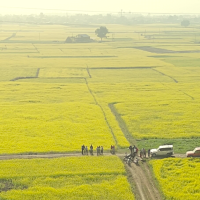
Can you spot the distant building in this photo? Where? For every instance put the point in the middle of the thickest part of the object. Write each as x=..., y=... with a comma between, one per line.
x=80, y=38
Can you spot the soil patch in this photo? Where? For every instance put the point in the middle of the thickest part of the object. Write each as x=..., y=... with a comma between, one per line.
x=7, y=184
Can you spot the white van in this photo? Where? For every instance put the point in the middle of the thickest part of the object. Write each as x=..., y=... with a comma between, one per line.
x=164, y=150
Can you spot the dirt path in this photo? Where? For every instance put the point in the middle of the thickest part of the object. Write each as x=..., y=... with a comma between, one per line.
x=58, y=155
x=144, y=182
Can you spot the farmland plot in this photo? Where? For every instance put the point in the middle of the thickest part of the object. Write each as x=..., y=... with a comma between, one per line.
x=178, y=178
x=64, y=178
x=156, y=101
x=57, y=117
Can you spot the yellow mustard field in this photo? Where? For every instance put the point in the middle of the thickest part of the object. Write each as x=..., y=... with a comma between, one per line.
x=60, y=92
x=64, y=178
x=179, y=179
x=59, y=118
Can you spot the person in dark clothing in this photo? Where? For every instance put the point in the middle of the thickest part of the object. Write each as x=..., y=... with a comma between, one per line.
x=86, y=150
x=144, y=152
x=149, y=153
x=131, y=150
x=113, y=149
x=141, y=153
x=98, y=150
x=134, y=150
x=83, y=148
x=91, y=149
x=101, y=150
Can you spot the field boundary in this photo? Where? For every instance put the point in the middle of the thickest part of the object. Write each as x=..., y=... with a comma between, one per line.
x=187, y=94
x=27, y=77
x=13, y=35
x=88, y=71
x=122, y=124
x=124, y=68
x=35, y=48
x=166, y=75
x=104, y=114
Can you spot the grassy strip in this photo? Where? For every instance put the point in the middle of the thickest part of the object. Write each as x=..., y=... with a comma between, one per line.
x=180, y=145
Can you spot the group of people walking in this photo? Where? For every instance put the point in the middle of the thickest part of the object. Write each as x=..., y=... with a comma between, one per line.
x=85, y=150
x=99, y=150
x=143, y=153
x=134, y=152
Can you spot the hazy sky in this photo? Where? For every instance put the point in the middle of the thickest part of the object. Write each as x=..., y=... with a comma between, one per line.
x=151, y=6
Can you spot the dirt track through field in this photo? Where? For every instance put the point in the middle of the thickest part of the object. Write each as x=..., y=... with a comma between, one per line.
x=144, y=181
x=59, y=155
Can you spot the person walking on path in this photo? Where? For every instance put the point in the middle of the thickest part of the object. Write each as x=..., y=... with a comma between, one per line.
x=141, y=153
x=144, y=152
x=86, y=150
x=83, y=148
x=101, y=150
x=131, y=150
x=134, y=151
x=113, y=149
x=149, y=153
x=91, y=150
x=98, y=150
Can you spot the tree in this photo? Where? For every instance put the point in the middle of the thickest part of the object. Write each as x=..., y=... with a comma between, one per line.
x=185, y=23
x=101, y=32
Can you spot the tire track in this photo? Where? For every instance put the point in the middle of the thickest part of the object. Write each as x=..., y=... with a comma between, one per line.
x=144, y=183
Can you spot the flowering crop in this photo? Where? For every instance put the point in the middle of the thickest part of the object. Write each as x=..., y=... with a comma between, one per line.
x=179, y=178
x=65, y=178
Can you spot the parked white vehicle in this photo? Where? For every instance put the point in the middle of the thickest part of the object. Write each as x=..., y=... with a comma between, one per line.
x=164, y=150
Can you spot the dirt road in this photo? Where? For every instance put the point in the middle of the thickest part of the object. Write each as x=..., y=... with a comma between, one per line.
x=146, y=187
x=58, y=155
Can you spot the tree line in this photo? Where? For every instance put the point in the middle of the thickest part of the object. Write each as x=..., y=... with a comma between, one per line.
x=128, y=19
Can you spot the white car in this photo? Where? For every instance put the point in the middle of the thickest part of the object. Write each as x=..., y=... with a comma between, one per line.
x=164, y=150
